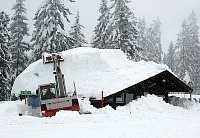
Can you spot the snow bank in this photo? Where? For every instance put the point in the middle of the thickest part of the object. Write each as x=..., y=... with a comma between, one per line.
x=148, y=117
x=150, y=103
x=144, y=105
x=182, y=102
x=9, y=108
x=93, y=70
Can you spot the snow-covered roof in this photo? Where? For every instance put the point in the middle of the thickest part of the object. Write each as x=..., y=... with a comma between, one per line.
x=93, y=70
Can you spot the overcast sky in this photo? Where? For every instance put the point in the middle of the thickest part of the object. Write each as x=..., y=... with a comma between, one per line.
x=171, y=14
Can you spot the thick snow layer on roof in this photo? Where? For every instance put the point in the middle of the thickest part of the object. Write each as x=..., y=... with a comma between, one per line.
x=93, y=70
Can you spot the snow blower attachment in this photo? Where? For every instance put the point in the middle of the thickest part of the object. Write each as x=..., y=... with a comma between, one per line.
x=53, y=96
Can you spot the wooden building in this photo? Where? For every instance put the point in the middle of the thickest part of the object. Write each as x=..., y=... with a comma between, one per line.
x=160, y=85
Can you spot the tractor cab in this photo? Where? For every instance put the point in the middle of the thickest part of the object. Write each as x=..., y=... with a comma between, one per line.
x=51, y=102
x=47, y=91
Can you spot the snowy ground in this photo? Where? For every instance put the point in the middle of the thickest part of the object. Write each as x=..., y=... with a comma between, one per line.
x=148, y=117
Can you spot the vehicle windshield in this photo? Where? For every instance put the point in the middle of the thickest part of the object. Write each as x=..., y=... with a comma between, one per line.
x=47, y=92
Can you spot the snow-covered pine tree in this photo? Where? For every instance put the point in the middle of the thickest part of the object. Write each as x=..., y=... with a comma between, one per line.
x=194, y=49
x=181, y=58
x=137, y=52
x=101, y=33
x=5, y=57
x=164, y=61
x=154, y=42
x=124, y=32
x=19, y=29
x=142, y=39
x=49, y=35
x=170, y=56
x=76, y=34
x=194, y=66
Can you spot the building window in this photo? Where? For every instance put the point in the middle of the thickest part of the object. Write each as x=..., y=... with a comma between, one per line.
x=120, y=98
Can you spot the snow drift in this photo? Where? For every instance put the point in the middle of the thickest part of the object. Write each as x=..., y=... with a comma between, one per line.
x=148, y=117
x=93, y=70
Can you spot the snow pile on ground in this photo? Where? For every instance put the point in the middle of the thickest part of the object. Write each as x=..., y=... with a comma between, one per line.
x=150, y=103
x=182, y=102
x=9, y=108
x=157, y=104
x=148, y=117
x=93, y=70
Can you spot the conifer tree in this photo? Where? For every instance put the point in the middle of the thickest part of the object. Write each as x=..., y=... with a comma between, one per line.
x=142, y=39
x=49, y=35
x=154, y=42
x=124, y=32
x=164, y=61
x=19, y=29
x=188, y=51
x=101, y=33
x=182, y=56
x=170, y=56
x=76, y=34
x=5, y=57
x=194, y=49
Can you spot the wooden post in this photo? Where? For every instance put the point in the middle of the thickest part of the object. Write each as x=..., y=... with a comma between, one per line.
x=190, y=96
x=102, y=99
x=25, y=99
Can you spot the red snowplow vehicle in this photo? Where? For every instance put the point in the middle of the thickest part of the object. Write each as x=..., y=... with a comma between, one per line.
x=51, y=102
x=53, y=96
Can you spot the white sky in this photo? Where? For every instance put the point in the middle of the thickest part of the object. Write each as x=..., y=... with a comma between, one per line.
x=171, y=14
